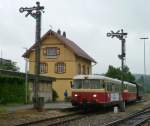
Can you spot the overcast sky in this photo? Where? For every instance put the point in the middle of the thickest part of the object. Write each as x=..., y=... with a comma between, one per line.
x=86, y=22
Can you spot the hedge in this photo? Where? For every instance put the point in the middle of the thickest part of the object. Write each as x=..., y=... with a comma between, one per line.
x=12, y=89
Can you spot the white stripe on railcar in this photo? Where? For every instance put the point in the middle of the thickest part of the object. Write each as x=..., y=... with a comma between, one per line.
x=99, y=77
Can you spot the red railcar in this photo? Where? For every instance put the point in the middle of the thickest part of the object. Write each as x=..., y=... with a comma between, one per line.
x=100, y=90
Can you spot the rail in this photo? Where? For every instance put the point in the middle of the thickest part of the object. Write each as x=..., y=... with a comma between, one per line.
x=135, y=119
x=55, y=120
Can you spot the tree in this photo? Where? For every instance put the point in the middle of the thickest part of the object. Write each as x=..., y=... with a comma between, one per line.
x=117, y=72
x=141, y=79
x=9, y=66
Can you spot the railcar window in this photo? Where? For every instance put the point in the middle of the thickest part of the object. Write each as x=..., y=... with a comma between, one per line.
x=113, y=87
x=86, y=84
x=103, y=84
x=95, y=84
x=109, y=87
x=77, y=84
x=131, y=89
x=125, y=86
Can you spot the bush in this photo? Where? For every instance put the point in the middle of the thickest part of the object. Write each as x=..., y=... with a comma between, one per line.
x=12, y=90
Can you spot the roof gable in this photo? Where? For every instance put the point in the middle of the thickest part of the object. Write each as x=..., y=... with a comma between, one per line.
x=74, y=47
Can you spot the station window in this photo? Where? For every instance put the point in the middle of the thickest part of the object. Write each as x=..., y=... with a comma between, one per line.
x=43, y=68
x=88, y=70
x=60, y=67
x=51, y=52
x=79, y=68
x=83, y=69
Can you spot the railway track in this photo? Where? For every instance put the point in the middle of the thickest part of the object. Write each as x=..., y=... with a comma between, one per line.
x=66, y=119
x=135, y=119
x=55, y=120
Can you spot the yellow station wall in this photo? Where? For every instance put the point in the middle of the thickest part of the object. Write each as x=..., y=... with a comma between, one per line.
x=67, y=56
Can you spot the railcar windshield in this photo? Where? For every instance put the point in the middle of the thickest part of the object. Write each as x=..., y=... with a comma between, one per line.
x=87, y=84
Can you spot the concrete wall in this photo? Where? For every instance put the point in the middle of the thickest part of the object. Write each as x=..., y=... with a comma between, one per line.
x=45, y=90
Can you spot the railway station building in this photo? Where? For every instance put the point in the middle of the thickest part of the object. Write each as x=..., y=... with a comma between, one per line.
x=60, y=58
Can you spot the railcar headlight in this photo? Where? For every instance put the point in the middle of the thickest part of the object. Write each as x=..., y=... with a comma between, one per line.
x=94, y=95
x=75, y=95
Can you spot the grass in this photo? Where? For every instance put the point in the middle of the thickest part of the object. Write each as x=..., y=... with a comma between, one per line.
x=3, y=109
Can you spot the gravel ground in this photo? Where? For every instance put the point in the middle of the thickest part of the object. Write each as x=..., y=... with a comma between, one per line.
x=28, y=115
x=54, y=105
x=21, y=116
x=102, y=119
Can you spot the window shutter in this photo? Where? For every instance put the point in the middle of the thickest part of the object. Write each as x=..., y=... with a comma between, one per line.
x=58, y=51
x=44, y=51
x=55, y=68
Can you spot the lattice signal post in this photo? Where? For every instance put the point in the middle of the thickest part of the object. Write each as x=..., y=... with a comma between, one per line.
x=121, y=36
x=36, y=12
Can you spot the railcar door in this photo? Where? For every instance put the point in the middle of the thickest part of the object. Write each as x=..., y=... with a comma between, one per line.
x=114, y=93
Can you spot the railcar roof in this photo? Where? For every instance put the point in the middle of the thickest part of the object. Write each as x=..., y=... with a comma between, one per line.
x=101, y=78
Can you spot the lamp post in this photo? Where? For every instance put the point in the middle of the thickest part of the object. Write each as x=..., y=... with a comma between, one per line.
x=144, y=38
x=36, y=13
x=1, y=56
x=121, y=36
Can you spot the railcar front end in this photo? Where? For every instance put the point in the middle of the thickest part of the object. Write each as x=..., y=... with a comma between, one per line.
x=95, y=90
x=89, y=96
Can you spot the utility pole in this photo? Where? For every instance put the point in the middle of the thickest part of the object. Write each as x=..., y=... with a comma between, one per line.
x=26, y=77
x=1, y=56
x=35, y=12
x=144, y=38
x=121, y=36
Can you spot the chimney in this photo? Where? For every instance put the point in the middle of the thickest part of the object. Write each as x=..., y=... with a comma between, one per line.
x=59, y=32
x=64, y=34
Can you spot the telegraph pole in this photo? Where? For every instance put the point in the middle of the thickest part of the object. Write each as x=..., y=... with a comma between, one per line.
x=144, y=38
x=121, y=36
x=35, y=12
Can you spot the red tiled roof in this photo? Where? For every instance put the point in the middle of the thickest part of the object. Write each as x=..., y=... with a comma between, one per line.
x=74, y=47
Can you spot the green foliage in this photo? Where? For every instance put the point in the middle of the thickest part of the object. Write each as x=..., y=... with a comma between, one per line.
x=117, y=72
x=146, y=83
x=55, y=95
x=3, y=109
x=12, y=90
x=9, y=66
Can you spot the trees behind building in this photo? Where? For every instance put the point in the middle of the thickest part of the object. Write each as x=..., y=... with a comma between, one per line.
x=8, y=65
x=117, y=73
